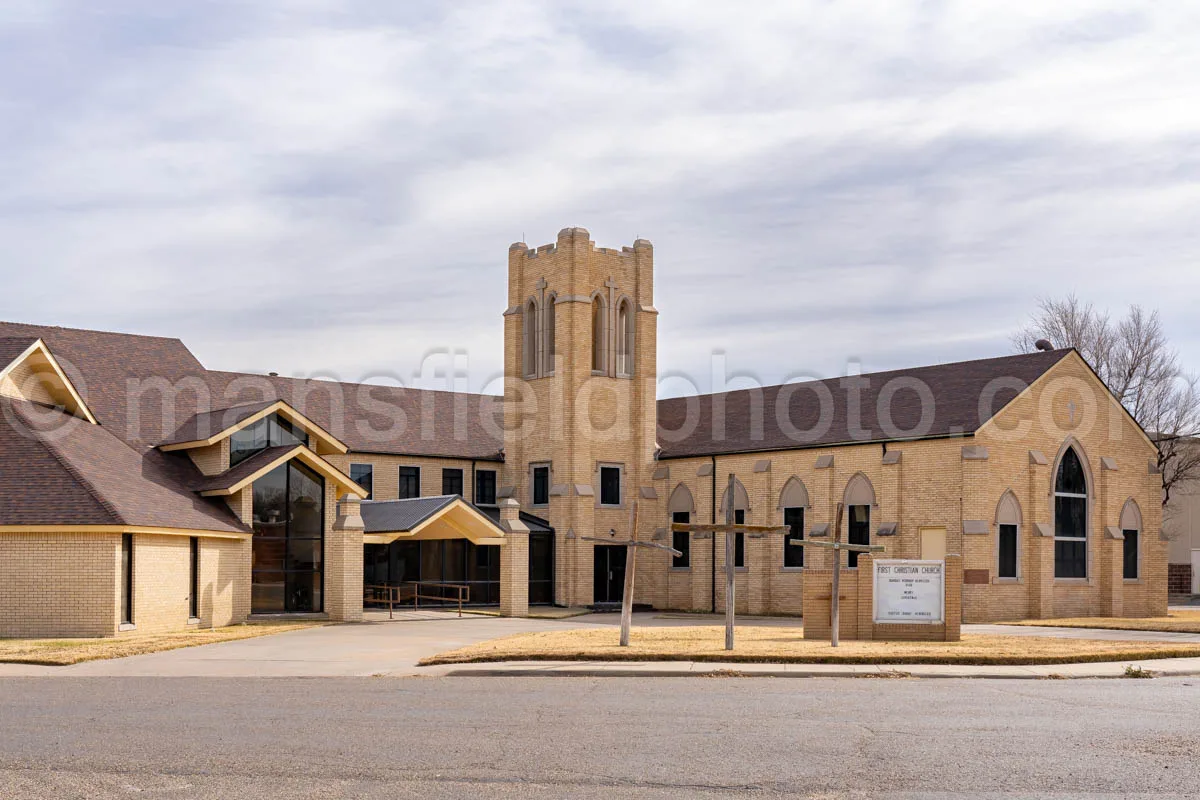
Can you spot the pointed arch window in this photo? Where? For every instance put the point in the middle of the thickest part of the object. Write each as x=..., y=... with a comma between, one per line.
x=1008, y=539
x=529, y=340
x=1070, y=517
x=599, y=335
x=625, y=322
x=1131, y=531
x=548, y=336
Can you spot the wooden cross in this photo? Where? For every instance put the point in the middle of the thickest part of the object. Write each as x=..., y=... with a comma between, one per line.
x=730, y=529
x=631, y=547
x=837, y=547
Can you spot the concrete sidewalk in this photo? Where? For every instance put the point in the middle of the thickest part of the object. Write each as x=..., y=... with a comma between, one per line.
x=393, y=648
x=1167, y=667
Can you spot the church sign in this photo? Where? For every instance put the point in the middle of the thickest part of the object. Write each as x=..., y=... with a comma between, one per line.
x=911, y=592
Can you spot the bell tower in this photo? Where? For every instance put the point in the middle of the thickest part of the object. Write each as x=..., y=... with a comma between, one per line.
x=580, y=381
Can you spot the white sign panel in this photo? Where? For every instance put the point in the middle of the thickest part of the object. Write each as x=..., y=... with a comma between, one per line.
x=910, y=591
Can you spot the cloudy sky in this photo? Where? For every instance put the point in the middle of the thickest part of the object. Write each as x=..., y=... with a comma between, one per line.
x=331, y=186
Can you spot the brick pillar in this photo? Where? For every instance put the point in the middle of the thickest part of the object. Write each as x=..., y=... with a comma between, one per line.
x=701, y=573
x=1112, y=572
x=758, y=577
x=953, y=607
x=514, y=561
x=866, y=597
x=1040, y=571
x=344, y=570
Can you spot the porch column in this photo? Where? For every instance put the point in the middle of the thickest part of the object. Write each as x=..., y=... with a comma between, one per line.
x=344, y=572
x=514, y=561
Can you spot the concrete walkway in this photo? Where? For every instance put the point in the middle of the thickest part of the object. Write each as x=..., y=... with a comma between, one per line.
x=382, y=647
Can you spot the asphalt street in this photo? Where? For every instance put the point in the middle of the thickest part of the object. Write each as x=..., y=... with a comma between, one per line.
x=596, y=737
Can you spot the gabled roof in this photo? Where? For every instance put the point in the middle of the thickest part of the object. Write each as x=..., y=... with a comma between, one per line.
x=210, y=427
x=62, y=471
x=50, y=375
x=238, y=477
x=441, y=517
x=819, y=413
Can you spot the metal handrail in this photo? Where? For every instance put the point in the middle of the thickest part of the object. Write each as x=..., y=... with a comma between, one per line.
x=397, y=593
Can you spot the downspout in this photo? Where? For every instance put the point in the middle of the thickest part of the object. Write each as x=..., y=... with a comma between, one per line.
x=713, y=587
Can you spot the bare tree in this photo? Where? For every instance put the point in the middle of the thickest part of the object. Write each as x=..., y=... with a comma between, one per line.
x=1134, y=359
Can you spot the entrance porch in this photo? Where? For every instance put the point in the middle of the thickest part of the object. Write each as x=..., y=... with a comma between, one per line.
x=432, y=551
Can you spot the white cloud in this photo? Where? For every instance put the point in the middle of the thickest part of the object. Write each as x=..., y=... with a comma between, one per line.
x=333, y=185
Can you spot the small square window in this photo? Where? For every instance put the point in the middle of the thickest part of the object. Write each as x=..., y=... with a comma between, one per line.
x=610, y=486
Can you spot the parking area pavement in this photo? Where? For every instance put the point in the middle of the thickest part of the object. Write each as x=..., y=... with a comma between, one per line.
x=393, y=647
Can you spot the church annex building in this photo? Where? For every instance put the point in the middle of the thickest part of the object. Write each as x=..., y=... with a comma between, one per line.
x=140, y=491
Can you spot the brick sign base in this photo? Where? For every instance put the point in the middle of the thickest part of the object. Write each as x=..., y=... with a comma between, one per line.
x=857, y=588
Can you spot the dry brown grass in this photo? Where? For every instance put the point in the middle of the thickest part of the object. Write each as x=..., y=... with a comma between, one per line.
x=1175, y=622
x=63, y=652
x=785, y=646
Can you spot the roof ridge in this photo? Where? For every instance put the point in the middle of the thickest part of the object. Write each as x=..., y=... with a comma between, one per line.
x=93, y=492
x=450, y=392
x=1061, y=352
x=91, y=330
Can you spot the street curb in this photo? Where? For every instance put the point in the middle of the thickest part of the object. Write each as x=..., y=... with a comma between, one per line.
x=1106, y=670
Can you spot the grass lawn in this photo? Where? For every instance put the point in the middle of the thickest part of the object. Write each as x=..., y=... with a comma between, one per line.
x=62, y=652
x=784, y=646
x=1175, y=622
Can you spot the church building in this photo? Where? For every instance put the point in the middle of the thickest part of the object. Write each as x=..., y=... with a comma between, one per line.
x=140, y=491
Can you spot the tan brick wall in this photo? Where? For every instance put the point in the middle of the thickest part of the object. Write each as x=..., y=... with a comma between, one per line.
x=59, y=584
x=933, y=485
x=211, y=460
x=68, y=584
x=224, y=582
x=386, y=472
x=575, y=420
x=161, y=574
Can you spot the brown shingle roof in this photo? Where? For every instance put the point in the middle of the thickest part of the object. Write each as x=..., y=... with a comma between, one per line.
x=13, y=346
x=759, y=420
x=59, y=470
x=209, y=423
x=380, y=419
x=244, y=469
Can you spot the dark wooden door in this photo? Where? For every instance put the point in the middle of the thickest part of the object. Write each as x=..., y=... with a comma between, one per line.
x=609, y=577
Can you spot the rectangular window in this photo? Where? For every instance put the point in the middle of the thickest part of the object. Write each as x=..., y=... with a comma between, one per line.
x=452, y=481
x=194, y=578
x=859, y=531
x=1131, y=555
x=1007, y=545
x=485, y=487
x=541, y=486
x=610, y=486
x=793, y=554
x=127, y=578
x=681, y=541
x=410, y=482
x=364, y=476
x=739, y=540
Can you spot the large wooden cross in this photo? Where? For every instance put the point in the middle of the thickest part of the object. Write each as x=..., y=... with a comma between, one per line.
x=730, y=529
x=631, y=547
x=837, y=546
